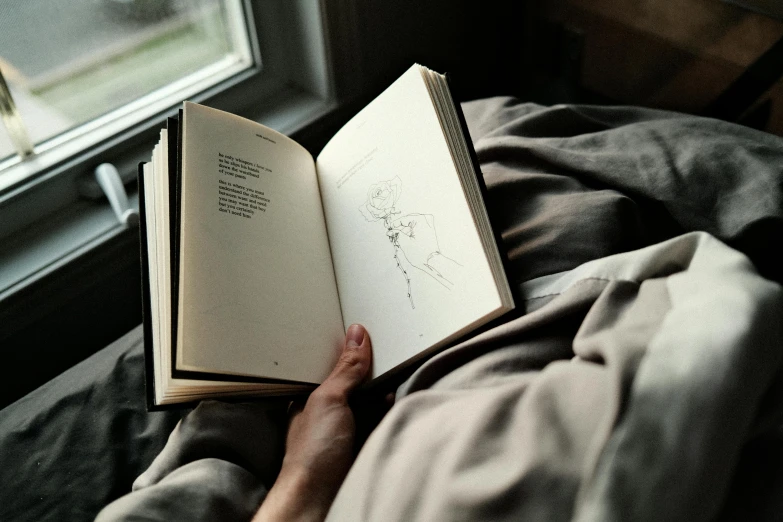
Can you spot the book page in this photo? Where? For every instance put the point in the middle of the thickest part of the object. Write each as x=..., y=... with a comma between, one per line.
x=257, y=289
x=407, y=255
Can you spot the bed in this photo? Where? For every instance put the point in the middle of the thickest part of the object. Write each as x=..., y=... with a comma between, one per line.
x=642, y=380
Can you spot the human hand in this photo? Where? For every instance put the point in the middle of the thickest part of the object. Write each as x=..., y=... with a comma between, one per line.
x=319, y=445
x=416, y=237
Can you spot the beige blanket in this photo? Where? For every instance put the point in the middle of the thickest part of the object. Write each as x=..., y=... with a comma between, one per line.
x=626, y=392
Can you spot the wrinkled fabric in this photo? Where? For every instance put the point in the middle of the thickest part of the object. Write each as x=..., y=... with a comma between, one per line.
x=641, y=380
x=626, y=392
x=78, y=442
x=570, y=183
x=218, y=464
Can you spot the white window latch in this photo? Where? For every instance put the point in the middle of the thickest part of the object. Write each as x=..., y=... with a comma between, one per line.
x=109, y=179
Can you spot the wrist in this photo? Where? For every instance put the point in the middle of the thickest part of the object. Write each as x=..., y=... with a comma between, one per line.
x=293, y=497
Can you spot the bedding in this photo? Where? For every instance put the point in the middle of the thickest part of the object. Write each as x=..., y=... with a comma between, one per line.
x=626, y=392
x=642, y=380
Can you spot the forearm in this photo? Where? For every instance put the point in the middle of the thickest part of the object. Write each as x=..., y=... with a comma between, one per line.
x=319, y=445
x=442, y=268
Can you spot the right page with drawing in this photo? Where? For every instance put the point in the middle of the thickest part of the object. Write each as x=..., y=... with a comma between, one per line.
x=408, y=259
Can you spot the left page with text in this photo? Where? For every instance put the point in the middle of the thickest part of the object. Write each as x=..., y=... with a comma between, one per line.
x=257, y=293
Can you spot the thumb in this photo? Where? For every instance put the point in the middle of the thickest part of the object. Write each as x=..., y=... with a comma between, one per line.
x=354, y=363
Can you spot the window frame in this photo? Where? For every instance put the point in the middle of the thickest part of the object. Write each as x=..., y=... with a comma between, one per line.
x=289, y=89
x=15, y=171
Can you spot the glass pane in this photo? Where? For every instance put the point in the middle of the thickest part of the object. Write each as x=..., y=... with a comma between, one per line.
x=68, y=63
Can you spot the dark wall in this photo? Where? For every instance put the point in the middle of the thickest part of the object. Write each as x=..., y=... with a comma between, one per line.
x=67, y=316
x=480, y=43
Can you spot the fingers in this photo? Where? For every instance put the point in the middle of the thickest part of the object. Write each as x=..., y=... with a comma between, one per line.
x=353, y=366
x=403, y=222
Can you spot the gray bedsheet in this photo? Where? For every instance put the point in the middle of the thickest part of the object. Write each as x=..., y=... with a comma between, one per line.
x=641, y=382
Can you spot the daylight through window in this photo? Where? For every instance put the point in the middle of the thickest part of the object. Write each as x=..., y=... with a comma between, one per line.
x=74, y=66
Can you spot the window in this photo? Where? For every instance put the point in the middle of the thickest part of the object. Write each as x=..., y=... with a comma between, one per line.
x=105, y=62
x=94, y=81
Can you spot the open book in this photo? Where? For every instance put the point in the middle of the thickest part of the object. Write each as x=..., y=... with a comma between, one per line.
x=257, y=257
